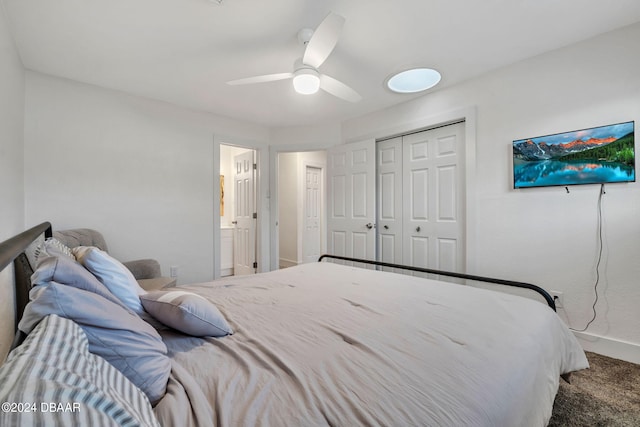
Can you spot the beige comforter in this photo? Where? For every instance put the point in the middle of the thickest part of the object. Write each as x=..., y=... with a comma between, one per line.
x=325, y=344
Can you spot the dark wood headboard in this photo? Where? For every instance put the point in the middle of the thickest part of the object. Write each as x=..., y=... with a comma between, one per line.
x=12, y=250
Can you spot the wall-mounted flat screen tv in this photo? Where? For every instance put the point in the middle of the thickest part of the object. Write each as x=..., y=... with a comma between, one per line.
x=596, y=155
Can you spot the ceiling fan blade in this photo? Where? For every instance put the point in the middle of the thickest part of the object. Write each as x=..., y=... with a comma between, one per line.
x=323, y=40
x=261, y=79
x=339, y=89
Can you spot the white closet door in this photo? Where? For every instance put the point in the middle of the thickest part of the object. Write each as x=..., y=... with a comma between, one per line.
x=389, y=171
x=351, y=200
x=433, y=189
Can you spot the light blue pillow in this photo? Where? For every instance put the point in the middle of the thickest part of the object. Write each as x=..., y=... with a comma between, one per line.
x=113, y=274
x=68, y=271
x=116, y=334
x=186, y=312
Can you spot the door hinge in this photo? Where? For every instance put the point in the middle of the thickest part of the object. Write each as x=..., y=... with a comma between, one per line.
x=255, y=215
x=255, y=166
x=255, y=265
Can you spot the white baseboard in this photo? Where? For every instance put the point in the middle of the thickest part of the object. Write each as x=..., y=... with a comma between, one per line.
x=285, y=263
x=617, y=349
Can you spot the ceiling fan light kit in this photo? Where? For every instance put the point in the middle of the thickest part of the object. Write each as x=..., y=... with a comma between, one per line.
x=413, y=80
x=307, y=79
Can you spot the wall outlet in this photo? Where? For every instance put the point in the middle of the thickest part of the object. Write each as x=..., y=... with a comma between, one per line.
x=558, y=298
x=174, y=271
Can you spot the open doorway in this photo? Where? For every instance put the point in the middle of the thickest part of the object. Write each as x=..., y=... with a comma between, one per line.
x=238, y=213
x=301, y=220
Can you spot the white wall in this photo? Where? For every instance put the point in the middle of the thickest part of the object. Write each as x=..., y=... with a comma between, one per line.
x=319, y=136
x=140, y=171
x=288, y=208
x=547, y=236
x=11, y=168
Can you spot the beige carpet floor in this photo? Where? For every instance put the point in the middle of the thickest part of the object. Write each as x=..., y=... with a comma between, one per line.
x=607, y=394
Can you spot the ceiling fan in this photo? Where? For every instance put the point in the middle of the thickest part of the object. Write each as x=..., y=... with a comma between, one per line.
x=306, y=77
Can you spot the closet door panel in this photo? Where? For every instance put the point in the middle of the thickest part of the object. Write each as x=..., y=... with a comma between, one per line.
x=389, y=201
x=433, y=204
x=447, y=194
x=418, y=188
x=351, y=199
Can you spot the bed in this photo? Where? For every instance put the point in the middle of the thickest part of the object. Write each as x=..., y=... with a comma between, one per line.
x=316, y=344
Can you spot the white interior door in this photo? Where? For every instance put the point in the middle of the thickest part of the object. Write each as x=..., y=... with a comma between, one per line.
x=351, y=200
x=312, y=237
x=389, y=171
x=433, y=202
x=245, y=220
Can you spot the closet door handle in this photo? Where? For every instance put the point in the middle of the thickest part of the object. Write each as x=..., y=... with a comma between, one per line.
x=369, y=226
x=418, y=229
x=386, y=227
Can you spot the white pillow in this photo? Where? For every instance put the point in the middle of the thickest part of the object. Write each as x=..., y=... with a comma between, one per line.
x=113, y=274
x=186, y=312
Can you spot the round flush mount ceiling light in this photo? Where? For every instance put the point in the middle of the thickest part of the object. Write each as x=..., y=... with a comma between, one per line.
x=413, y=80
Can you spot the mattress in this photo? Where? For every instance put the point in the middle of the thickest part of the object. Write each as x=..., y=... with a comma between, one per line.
x=327, y=344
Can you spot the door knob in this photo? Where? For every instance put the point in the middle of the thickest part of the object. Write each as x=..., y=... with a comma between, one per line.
x=234, y=222
x=418, y=229
x=386, y=227
x=369, y=226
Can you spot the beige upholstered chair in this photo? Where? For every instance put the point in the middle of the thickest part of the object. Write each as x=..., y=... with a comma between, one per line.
x=146, y=271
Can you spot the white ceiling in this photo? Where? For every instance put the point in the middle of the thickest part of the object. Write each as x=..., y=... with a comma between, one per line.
x=183, y=51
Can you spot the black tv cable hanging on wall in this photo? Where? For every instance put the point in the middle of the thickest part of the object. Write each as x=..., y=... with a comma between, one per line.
x=600, y=248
